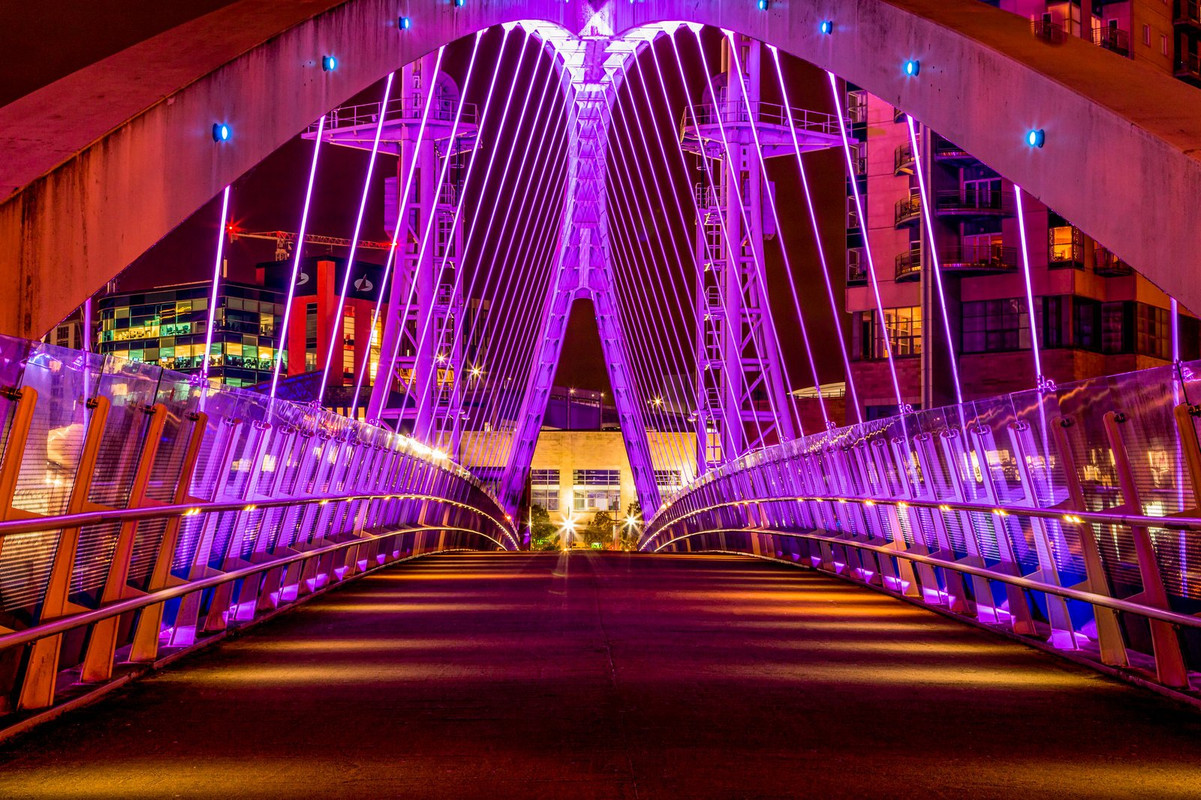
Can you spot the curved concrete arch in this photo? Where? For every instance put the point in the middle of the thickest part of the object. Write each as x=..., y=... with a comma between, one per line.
x=103, y=163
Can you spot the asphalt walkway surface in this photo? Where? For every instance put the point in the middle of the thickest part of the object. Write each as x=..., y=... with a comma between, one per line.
x=613, y=676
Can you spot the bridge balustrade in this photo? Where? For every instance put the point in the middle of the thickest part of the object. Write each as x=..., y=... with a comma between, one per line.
x=142, y=513
x=1067, y=515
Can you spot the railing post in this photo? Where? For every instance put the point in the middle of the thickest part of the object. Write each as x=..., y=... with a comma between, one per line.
x=1109, y=632
x=149, y=625
x=41, y=665
x=10, y=470
x=1169, y=661
x=102, y=642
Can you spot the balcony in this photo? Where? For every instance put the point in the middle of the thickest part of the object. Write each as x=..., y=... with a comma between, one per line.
x=908, y=210
x=1188, y=67
x=1111, y=38
x=1187, y=13
x=909, y=265
x=1047, y=30
x=970, y=203
x=979, y=259
x=1066, y=256
x=1107, y=265
x=950, y=152
x=902, y=160
x=857, y=273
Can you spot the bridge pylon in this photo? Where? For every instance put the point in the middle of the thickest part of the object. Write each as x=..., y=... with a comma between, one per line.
x=743, y=400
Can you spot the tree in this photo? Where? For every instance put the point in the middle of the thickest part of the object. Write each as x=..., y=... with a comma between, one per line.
x=600, y=530
x=631, y=533
x=544, y=535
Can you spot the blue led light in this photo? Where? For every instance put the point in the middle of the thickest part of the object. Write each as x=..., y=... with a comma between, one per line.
x=762, y=4
x=404, y=23
x=1036, y=138
x=826, y=27
x=460, y=3
x=913, y=67
x=221, y=132
x=329, y=63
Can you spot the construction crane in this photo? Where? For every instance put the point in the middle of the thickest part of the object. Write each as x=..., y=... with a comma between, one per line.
x=286, y=240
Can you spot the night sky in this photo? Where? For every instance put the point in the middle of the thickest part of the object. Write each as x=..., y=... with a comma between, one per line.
x=69, y=34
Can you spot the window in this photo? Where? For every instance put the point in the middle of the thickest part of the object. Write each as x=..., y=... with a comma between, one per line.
x=1066, y=247
x=852, y=213
x=545, y=496
x=1087, y=321
x=904, y=333
x=310, y=336
x=1114, y=328
x=856, y=265
x=1154, y=338
x=348, y=342
x=1163, y=44
x=982, y=193
x=1147, y=35
x=544, y=477
x=996, y=325
x=596, y=490
x=667, y=478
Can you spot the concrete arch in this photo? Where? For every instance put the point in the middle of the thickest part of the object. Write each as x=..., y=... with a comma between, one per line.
x=101, y=164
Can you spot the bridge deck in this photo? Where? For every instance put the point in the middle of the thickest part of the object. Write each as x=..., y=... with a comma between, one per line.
x=519, y=675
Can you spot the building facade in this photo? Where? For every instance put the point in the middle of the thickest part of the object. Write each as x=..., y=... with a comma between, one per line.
x=168, y=327
x=1093, y=314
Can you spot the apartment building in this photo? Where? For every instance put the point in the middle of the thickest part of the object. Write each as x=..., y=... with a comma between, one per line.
x=1093, y=314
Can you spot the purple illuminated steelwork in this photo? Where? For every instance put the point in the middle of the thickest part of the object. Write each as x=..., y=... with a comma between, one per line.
x=771, y=204
x=385, y=370
x=488, y=168
x=749, y=223
x=212, y=315
x=336, y=326
x=932, y=244
x=683, y=352
x=304, y=221
x=1038, y=367
x=817, y=238
x=510, y=272
x=654, y=348
x=426, y=401
x=902, y=406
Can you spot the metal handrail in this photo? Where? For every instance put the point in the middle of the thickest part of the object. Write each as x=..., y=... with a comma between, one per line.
x=908, y=208
x=407, y=109
x=1117, y=604
x=72, y=621
x=735, y=111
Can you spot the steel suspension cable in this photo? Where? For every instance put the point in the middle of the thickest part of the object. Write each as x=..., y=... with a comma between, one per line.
x=817, y=238
x=401, y=213
x=902, y=407
x=771, y=202
x=304, y=221
x=757, y=255
x=336, y=331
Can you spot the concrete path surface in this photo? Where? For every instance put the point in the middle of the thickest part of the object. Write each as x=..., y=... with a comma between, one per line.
x=613, y=676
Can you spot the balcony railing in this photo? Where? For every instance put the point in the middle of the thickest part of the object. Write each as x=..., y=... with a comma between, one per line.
x=1107, y=265
x=979, y=258
x=1187, y=12
x=909, y=264
x=1188, y=66
x=1047, y=30
x=732, y=112
x=1114, y=39
x=908, y=210
x=902, y=159
x=949, y=151
x=972, y=203
x=399, y=110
